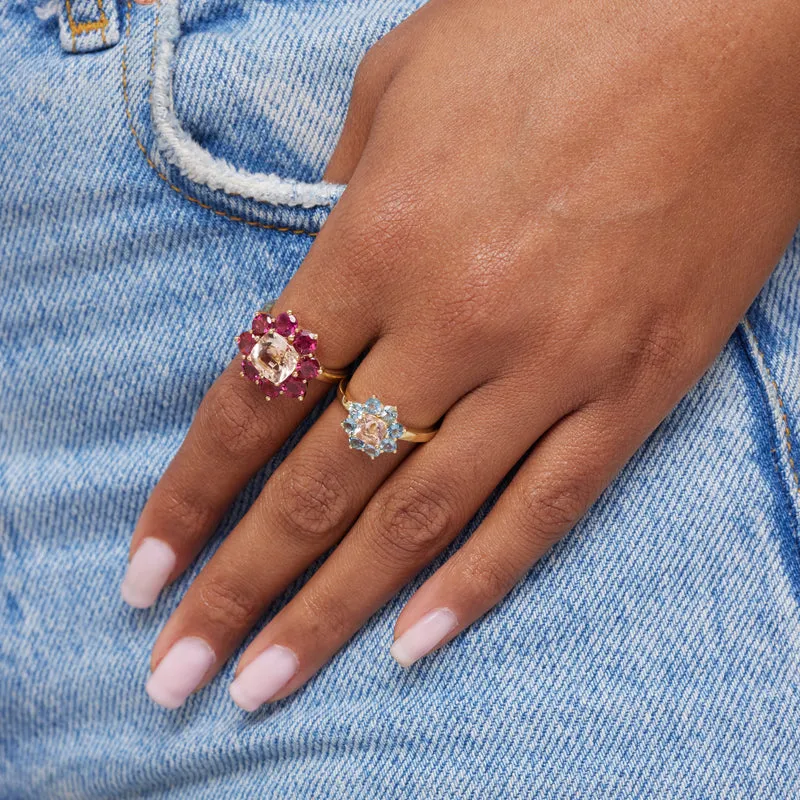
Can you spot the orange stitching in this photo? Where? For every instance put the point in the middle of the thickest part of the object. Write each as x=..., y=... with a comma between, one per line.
x=79, y=28
x=105, y=20
x=787, y=434
x=153, y=166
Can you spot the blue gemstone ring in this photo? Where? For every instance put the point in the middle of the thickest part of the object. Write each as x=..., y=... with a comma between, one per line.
x=373, y=428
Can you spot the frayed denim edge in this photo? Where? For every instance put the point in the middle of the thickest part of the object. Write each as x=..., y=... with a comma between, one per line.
x=195, y=162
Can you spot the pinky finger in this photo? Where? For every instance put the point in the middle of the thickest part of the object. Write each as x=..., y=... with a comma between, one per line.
x=564, y=474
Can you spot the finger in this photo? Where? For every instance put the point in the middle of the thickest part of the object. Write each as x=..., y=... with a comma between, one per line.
x=413, y=516
x=566, y=472
x=234, y=433
x=305, y=508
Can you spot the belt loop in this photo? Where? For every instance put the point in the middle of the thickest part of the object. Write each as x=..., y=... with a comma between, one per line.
x=87, y=25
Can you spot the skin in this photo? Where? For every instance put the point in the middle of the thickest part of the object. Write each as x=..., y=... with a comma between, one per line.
x=557, y=213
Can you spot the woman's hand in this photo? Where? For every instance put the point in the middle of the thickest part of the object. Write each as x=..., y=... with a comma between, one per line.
x=556, y=215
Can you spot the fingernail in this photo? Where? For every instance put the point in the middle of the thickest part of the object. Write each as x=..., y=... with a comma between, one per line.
x=147, y=573
x=423, y=636
x=180, y=671
x=263, y=677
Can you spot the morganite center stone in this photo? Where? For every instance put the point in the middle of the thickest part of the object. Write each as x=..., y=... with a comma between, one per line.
x=274, y=357
x=370, y=430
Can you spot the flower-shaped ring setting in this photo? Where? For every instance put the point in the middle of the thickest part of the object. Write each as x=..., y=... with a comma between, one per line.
x=373, y=428
x=279, y=356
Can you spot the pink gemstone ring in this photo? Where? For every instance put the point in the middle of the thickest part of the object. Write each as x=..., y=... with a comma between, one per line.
x=278, y=356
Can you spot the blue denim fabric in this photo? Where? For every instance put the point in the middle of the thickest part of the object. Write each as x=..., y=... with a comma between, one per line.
x=654, y=653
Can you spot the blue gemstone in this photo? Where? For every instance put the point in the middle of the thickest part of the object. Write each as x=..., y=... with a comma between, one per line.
x=356, y=444
x=349, y=425
x=389, y=414
x=389, y=445
x=396, y=430
x=371, y=451
x=356, y=409
x=373, y=405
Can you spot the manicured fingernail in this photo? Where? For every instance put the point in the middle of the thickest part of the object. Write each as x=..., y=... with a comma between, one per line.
x=263, y=677
x=180, y=671
x=423, y=636
x=147, y=573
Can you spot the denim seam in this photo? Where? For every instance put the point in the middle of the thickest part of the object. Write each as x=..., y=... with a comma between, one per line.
x=151, y=163
x=197, y=163
x=80, y=28
x=783, y=454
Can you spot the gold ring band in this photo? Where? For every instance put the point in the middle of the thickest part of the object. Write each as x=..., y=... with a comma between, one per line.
x=373, y=427
x=331, y=375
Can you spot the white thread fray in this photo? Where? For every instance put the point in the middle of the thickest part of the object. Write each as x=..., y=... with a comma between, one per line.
x=47, y=11
x=195, y=162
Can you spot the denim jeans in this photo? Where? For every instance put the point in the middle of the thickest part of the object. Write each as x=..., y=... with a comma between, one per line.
x=160, y=174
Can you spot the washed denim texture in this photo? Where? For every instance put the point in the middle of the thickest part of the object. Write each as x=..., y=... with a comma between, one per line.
x=655, y=652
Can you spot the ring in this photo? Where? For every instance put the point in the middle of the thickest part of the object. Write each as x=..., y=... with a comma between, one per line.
x=373, y=428
x=278, y=355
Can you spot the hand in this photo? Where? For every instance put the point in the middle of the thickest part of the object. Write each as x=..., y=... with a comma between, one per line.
x=556, y=215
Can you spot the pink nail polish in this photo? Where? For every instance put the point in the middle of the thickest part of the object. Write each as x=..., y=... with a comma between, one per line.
x=147, y=573
x=180, y=671
x=423, y=636
x=263, y=677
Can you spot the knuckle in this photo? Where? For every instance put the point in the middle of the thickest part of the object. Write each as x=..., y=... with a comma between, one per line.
x=486, y=576
x=231, y=606
x=227, y=415
x=311, y=500
x=549, y=510
x=414, y=518
x=324, y=619
x=183, y=513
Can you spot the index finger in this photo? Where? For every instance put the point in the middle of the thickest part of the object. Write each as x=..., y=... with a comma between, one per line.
x=235, y=431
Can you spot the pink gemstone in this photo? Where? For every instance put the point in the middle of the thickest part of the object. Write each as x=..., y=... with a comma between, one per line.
x=286, y=324
x=245, y=341
x=260, y=323
x=305, y=342
x=294, y=387
x=308, y=369
x=269, y=389
x=370, y=430
x=250, y=372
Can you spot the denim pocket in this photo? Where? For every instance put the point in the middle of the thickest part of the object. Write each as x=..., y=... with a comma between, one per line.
x=238, y=106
